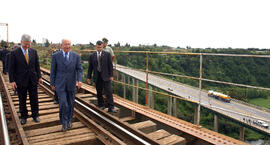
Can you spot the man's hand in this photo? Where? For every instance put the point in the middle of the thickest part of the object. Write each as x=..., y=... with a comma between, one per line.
x=111, y=78
x=53, y=88
x=40, y=80
x=79, y=84
x=89, y=81
x=13, y=85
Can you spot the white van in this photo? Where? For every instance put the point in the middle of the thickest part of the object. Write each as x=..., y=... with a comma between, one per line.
x=261, y=123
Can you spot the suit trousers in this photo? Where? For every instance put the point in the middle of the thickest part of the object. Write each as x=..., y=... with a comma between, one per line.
x=66, y=106
x=22, y=93
x=55, y=96
x=100, y=84
x=4, y=66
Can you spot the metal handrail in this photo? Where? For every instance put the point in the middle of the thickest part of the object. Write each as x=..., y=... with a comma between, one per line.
x=195, y=78
x=4, y=123
x=187, y=53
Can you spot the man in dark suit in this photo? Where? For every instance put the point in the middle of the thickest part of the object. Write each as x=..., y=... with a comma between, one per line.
x=8, y=63
x=24, y=74
x=1, y=49
x=100, y=62
x=4, y=53
x=66, y=73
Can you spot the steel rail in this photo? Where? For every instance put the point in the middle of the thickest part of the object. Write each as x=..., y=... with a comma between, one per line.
x=102, y=134
x=4, y=123
x=131, y=137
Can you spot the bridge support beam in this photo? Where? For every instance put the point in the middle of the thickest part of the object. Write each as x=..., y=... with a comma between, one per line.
x=133, y=91
x=169, y=112
x=197, y=114
x=242, y=133
x=215, y=123
x=128, y=81
x=175, y=107
x=124, y=86
x=150, y=98
x=137, y=92
x=117, y=75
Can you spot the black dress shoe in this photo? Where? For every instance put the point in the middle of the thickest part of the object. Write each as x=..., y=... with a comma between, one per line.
x=64, y=128
x=69, y=125
x=101, y=108
x=55, y=102
x=112, y=111
x=36, y=119
x=23, y=121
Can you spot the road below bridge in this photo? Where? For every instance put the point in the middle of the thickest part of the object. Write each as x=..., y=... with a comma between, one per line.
x=234, y=110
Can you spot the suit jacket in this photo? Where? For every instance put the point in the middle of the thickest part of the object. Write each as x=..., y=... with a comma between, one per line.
x=7, y=62
x=4, y=59
x=1, y=50
x=21, y=72
x=64, y=76
x=106, y=66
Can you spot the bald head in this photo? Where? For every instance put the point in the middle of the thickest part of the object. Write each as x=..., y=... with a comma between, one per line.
x=66, y=45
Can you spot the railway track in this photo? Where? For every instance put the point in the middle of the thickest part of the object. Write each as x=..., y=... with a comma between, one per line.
x=84, y=130
x=133, y=124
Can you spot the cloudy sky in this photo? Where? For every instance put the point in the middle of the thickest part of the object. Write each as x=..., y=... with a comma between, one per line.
x=195, y=23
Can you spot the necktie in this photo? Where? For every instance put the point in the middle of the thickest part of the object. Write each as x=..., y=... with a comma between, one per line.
x=99, y=68
x=26, y=57
x=66, y=57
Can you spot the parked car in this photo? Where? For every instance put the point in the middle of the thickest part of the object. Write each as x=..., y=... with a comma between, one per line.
x=261, y=123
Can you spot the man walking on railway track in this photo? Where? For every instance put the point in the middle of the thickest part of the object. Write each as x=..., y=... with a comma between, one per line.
x=24, y=74
x=108, y=48
x=66, y=71
x=100, y=62
x=4, y=53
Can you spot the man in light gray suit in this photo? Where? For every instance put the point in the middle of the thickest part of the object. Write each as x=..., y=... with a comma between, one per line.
x=66, y=73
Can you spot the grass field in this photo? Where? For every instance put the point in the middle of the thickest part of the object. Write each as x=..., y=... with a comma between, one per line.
x=262, y=102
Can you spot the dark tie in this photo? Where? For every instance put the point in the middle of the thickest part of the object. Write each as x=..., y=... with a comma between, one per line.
x=98, y=57
x=66, y=57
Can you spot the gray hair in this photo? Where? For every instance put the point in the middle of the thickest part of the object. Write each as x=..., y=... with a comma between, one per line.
x=26, y=37
x=65, y=40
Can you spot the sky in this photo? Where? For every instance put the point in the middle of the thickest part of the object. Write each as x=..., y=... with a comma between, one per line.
x=176, y=23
